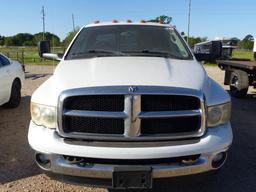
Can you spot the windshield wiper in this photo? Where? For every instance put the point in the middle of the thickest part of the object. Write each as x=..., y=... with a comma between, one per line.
x=153, y=52
x=98, y=51
x=106, y=51
x=149, y=52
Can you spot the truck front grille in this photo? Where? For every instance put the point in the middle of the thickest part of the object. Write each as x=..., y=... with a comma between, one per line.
x=150, y=114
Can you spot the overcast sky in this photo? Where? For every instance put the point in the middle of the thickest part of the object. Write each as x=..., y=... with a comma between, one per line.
x=209, y=18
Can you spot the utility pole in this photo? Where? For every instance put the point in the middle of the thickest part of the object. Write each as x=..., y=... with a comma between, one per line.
x=73, y=22
x=43, y=17
x=189, y=12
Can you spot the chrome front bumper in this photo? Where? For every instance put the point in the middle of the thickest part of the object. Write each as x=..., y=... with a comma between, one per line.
x=101, y=171
x=46, y=141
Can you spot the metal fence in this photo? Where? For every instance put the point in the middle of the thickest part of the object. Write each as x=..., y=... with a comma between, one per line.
x=19, y=56
x=26, y=55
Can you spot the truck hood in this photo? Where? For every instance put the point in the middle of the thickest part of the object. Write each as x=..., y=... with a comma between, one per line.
x=118, y=71
x=109, y=71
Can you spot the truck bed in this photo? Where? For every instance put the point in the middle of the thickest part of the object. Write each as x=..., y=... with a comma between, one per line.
x=251, y=65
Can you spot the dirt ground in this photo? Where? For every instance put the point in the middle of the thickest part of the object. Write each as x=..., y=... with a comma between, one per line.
x=18, y=171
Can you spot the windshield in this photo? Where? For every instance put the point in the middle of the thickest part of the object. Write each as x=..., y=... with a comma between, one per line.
x=128, y=40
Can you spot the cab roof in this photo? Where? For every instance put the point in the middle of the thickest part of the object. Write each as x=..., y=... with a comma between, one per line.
x=98, y=23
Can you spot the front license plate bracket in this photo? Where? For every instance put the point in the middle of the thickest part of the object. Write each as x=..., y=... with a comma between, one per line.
x=130, y=177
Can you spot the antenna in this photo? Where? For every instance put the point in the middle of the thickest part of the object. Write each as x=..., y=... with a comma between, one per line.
x=189, y=12
x=73, y=22
x=43, y=17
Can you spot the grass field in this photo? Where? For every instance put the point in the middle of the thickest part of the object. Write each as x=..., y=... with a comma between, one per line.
x=29, y=55
x=242, y=54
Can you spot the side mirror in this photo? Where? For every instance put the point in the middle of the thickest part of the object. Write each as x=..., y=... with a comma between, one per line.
x=44, y=51
x=208, y=51
x=44, y=47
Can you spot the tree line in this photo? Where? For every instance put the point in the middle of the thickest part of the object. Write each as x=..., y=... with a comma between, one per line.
x=246, y=43
x=27, y=39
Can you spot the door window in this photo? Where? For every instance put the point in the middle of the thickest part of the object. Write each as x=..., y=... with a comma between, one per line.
x=4, y=61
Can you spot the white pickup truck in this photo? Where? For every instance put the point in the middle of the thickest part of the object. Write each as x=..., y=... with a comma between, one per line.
x=128, y=104
x=11, y=79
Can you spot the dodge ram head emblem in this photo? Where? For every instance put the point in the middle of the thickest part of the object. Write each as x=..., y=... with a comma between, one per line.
x=132, y=89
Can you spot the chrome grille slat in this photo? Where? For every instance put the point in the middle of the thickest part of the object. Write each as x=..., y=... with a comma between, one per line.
x=169, y=114
x=132, y=122
x=98, y=114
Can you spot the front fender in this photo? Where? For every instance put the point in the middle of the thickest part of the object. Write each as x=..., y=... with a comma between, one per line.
x=215, y=94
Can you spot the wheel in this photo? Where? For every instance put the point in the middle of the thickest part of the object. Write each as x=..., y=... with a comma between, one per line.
x=15, y=95
x=239, y=83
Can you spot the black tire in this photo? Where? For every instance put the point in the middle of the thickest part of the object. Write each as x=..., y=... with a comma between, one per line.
x=236, y=80
x=15, y=97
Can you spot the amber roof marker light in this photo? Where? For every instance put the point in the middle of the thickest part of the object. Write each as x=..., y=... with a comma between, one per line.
x=114, y=21
x=142, y=21
x=129, y=21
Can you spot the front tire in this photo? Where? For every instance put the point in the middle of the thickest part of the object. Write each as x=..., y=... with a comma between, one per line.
x=15, y=97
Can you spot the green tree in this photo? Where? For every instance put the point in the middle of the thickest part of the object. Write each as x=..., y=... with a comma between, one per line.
x=8, y=41
x=248, y=37
x=54, y=39
x=194, y=40
x=69, y=37
x=1, y=40
x=163, y=19
x=22, y=39
x=27, y=39
x=246, y=43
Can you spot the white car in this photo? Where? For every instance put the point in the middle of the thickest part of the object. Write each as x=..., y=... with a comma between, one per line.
x=11, y=80
x=129, y=103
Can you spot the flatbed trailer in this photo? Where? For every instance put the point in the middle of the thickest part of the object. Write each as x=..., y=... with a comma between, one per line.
x=239, y=75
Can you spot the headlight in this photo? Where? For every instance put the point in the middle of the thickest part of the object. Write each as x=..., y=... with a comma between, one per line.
x=44, y=115
x=218, y=114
